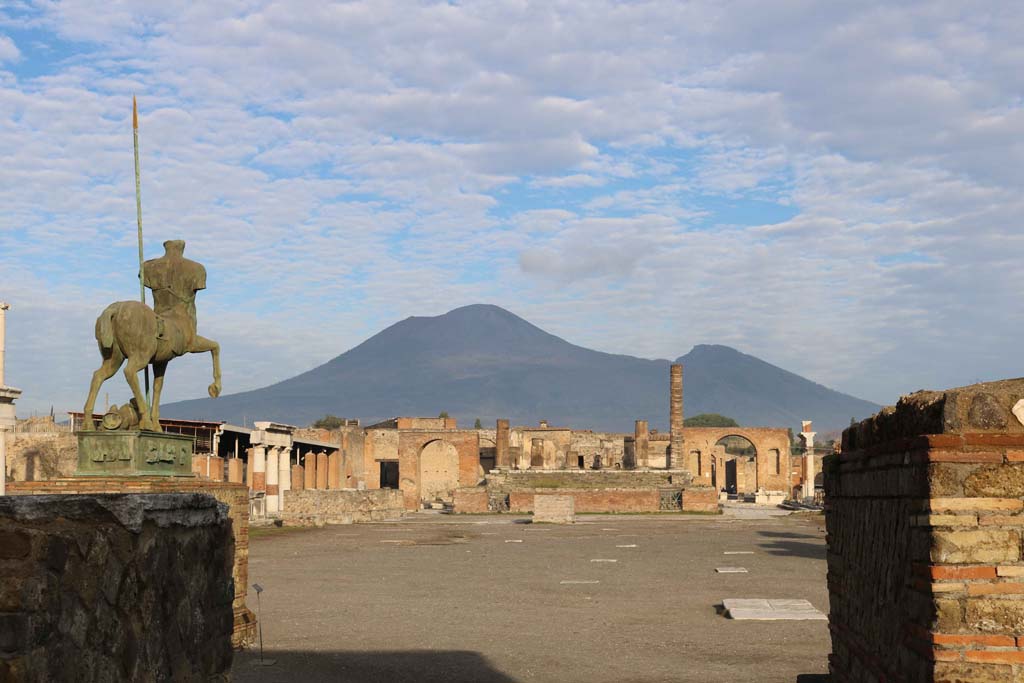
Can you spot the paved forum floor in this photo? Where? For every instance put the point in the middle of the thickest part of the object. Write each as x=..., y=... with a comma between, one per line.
x=459, y=599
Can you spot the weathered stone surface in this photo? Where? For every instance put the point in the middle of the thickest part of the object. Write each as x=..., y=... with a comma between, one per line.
x=995, y=480
x=554, y=509
x=963, y=672
x=117, y=587
x=981, y=546
x=996, y=615
x=1018, y=411
x=986, y=412
x=315, y=507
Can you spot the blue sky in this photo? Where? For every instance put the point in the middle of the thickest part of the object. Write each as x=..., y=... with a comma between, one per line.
x=834, y=188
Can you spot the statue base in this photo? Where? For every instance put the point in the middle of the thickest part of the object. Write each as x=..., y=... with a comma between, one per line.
x=134, y=453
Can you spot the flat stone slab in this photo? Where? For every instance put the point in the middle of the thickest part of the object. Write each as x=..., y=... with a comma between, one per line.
x=731, y=570
x=738, y=552
x=757, y=609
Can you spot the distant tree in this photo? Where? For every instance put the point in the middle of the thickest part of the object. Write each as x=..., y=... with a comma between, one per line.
x=329, y=422
x=477, y=425
x=444, y=413
x=853, y=421
x=710, y=420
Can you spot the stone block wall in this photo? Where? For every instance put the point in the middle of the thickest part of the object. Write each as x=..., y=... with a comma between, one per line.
x=554, y=509
x=590, y=500
x=700, y=499
x=115, y=588
x=507, y=482
x=925, y=520
x=313, y=507
x=235, y=496
x=471, y=500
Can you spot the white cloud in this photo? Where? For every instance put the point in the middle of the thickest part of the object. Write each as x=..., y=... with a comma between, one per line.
x=590, y=167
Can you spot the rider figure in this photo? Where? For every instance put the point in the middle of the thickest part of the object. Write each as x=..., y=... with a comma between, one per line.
x=174, y=279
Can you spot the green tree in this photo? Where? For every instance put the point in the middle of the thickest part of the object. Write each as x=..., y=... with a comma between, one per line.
x=329, y=422
x=710, y=420
x=444, y=413
x=477, y=425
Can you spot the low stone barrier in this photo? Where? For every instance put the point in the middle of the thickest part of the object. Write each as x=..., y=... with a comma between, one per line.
x=554, y=509
x=235, y=496
x=924, y=511
x=601, y=500
x=471, y=500
x=700, y=499
x=316, y=507
x=115, y=588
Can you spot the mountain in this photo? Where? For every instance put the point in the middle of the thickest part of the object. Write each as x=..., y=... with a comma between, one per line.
x=484, y=362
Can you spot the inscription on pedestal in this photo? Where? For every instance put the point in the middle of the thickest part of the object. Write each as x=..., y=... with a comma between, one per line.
x=134, y=453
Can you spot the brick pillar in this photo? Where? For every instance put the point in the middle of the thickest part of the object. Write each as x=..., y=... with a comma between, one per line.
x=199, y=466
x=924, y=524
x=284, y=473
x=216, y=468
x=675, y=417
x=321, y=470
x=235, y=468
x=298, y=477
x=501, y=455
x=310, y=470
x=334, y=471
x=259, y=468
x=273, y=481
x=641, y=448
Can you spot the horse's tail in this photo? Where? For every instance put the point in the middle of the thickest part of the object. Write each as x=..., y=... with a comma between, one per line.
x=105, y=328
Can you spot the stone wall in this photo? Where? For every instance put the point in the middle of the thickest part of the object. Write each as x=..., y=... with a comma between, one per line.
x=700, y=499
x=313, y=507
x=471, y=500
x=115, y=587
x=506, y=482
x=588, y=500
x=554, y=509
x=925, y=517
x=40, y=455
x=235, y=496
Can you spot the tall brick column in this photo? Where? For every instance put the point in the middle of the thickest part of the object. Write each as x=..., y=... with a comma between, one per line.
x=924, y=509
x=259, y=469
x=641, y=442
x=675, y=417
x=501, y=459
x=309, y=471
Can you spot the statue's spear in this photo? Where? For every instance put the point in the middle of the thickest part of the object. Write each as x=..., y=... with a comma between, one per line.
x=138, y=217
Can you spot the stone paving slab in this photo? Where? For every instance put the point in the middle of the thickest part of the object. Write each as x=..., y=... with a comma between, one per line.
x=757, y=609
x=731, y=570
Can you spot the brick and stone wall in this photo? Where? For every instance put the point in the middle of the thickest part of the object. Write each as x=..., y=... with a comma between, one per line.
x=313, y=507
x=589, y=500
x=235, y=496
x=506, y=482
x=700, y=499
x=554, y=509
x=115, y=588
x=925, y=519
x=471, y=500
x=39, y=455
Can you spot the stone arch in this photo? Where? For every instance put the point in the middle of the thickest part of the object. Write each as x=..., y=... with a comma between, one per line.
x=439, y=470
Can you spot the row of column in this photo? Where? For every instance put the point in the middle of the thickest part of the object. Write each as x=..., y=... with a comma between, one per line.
x=269, y=470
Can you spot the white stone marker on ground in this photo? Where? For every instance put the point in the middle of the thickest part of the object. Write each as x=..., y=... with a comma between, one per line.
x=628, y=545
x=603, y=560
x=738, y=552
x=771, y=610
x=513, y=540
x=731, y=570
x=578, y=582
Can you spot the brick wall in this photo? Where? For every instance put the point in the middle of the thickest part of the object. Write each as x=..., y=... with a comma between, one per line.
x=115, y=588
x=700, y=499
x=235, y=496
x=506, y=482
x=471, y=500
x=925, y=518
x=601, y=500
x=313, y=507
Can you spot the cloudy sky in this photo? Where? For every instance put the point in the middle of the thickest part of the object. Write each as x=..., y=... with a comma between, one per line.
x=837, y=188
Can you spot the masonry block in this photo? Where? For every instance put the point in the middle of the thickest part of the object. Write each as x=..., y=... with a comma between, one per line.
x=554, y=509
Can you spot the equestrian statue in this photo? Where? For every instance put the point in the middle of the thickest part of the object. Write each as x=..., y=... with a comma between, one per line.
x=132, y=331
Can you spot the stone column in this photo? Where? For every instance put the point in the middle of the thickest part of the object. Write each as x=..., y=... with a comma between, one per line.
x=298, y=478
x=235, y=470
x=8, y=395
x=675, y=417
x=284, y=473
x=808, y=438
x=501, y=458
x=309, y=473
x=273, y=486
x=641, y=447
x=259, y=469
x=321, y=470
x=3, y=338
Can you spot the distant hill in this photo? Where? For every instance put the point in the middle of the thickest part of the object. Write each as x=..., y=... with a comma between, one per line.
x=483, y=361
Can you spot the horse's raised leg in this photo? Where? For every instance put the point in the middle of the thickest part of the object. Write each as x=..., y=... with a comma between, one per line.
x=131, y=374
x=110, y=365
x=202, y=345
x=158, y=384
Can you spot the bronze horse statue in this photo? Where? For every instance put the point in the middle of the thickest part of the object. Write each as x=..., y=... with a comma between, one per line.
x=132, y=331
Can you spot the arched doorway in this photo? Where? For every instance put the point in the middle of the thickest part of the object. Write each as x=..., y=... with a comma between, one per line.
x=735, y=465
x=439, y=471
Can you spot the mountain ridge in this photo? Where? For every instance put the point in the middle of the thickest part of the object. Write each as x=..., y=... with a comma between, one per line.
x=482, y=361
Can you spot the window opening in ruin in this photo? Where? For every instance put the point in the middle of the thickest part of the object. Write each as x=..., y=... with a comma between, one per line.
x=389, y=474
x=580, y=462
x=778, y=461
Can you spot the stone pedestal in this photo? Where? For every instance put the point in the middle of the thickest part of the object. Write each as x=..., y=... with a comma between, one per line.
x=134, y=453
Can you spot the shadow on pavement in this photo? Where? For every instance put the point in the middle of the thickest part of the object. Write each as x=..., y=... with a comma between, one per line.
x=396, y=666
x=786, y=534
x=812, y=678
x=813, y=551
